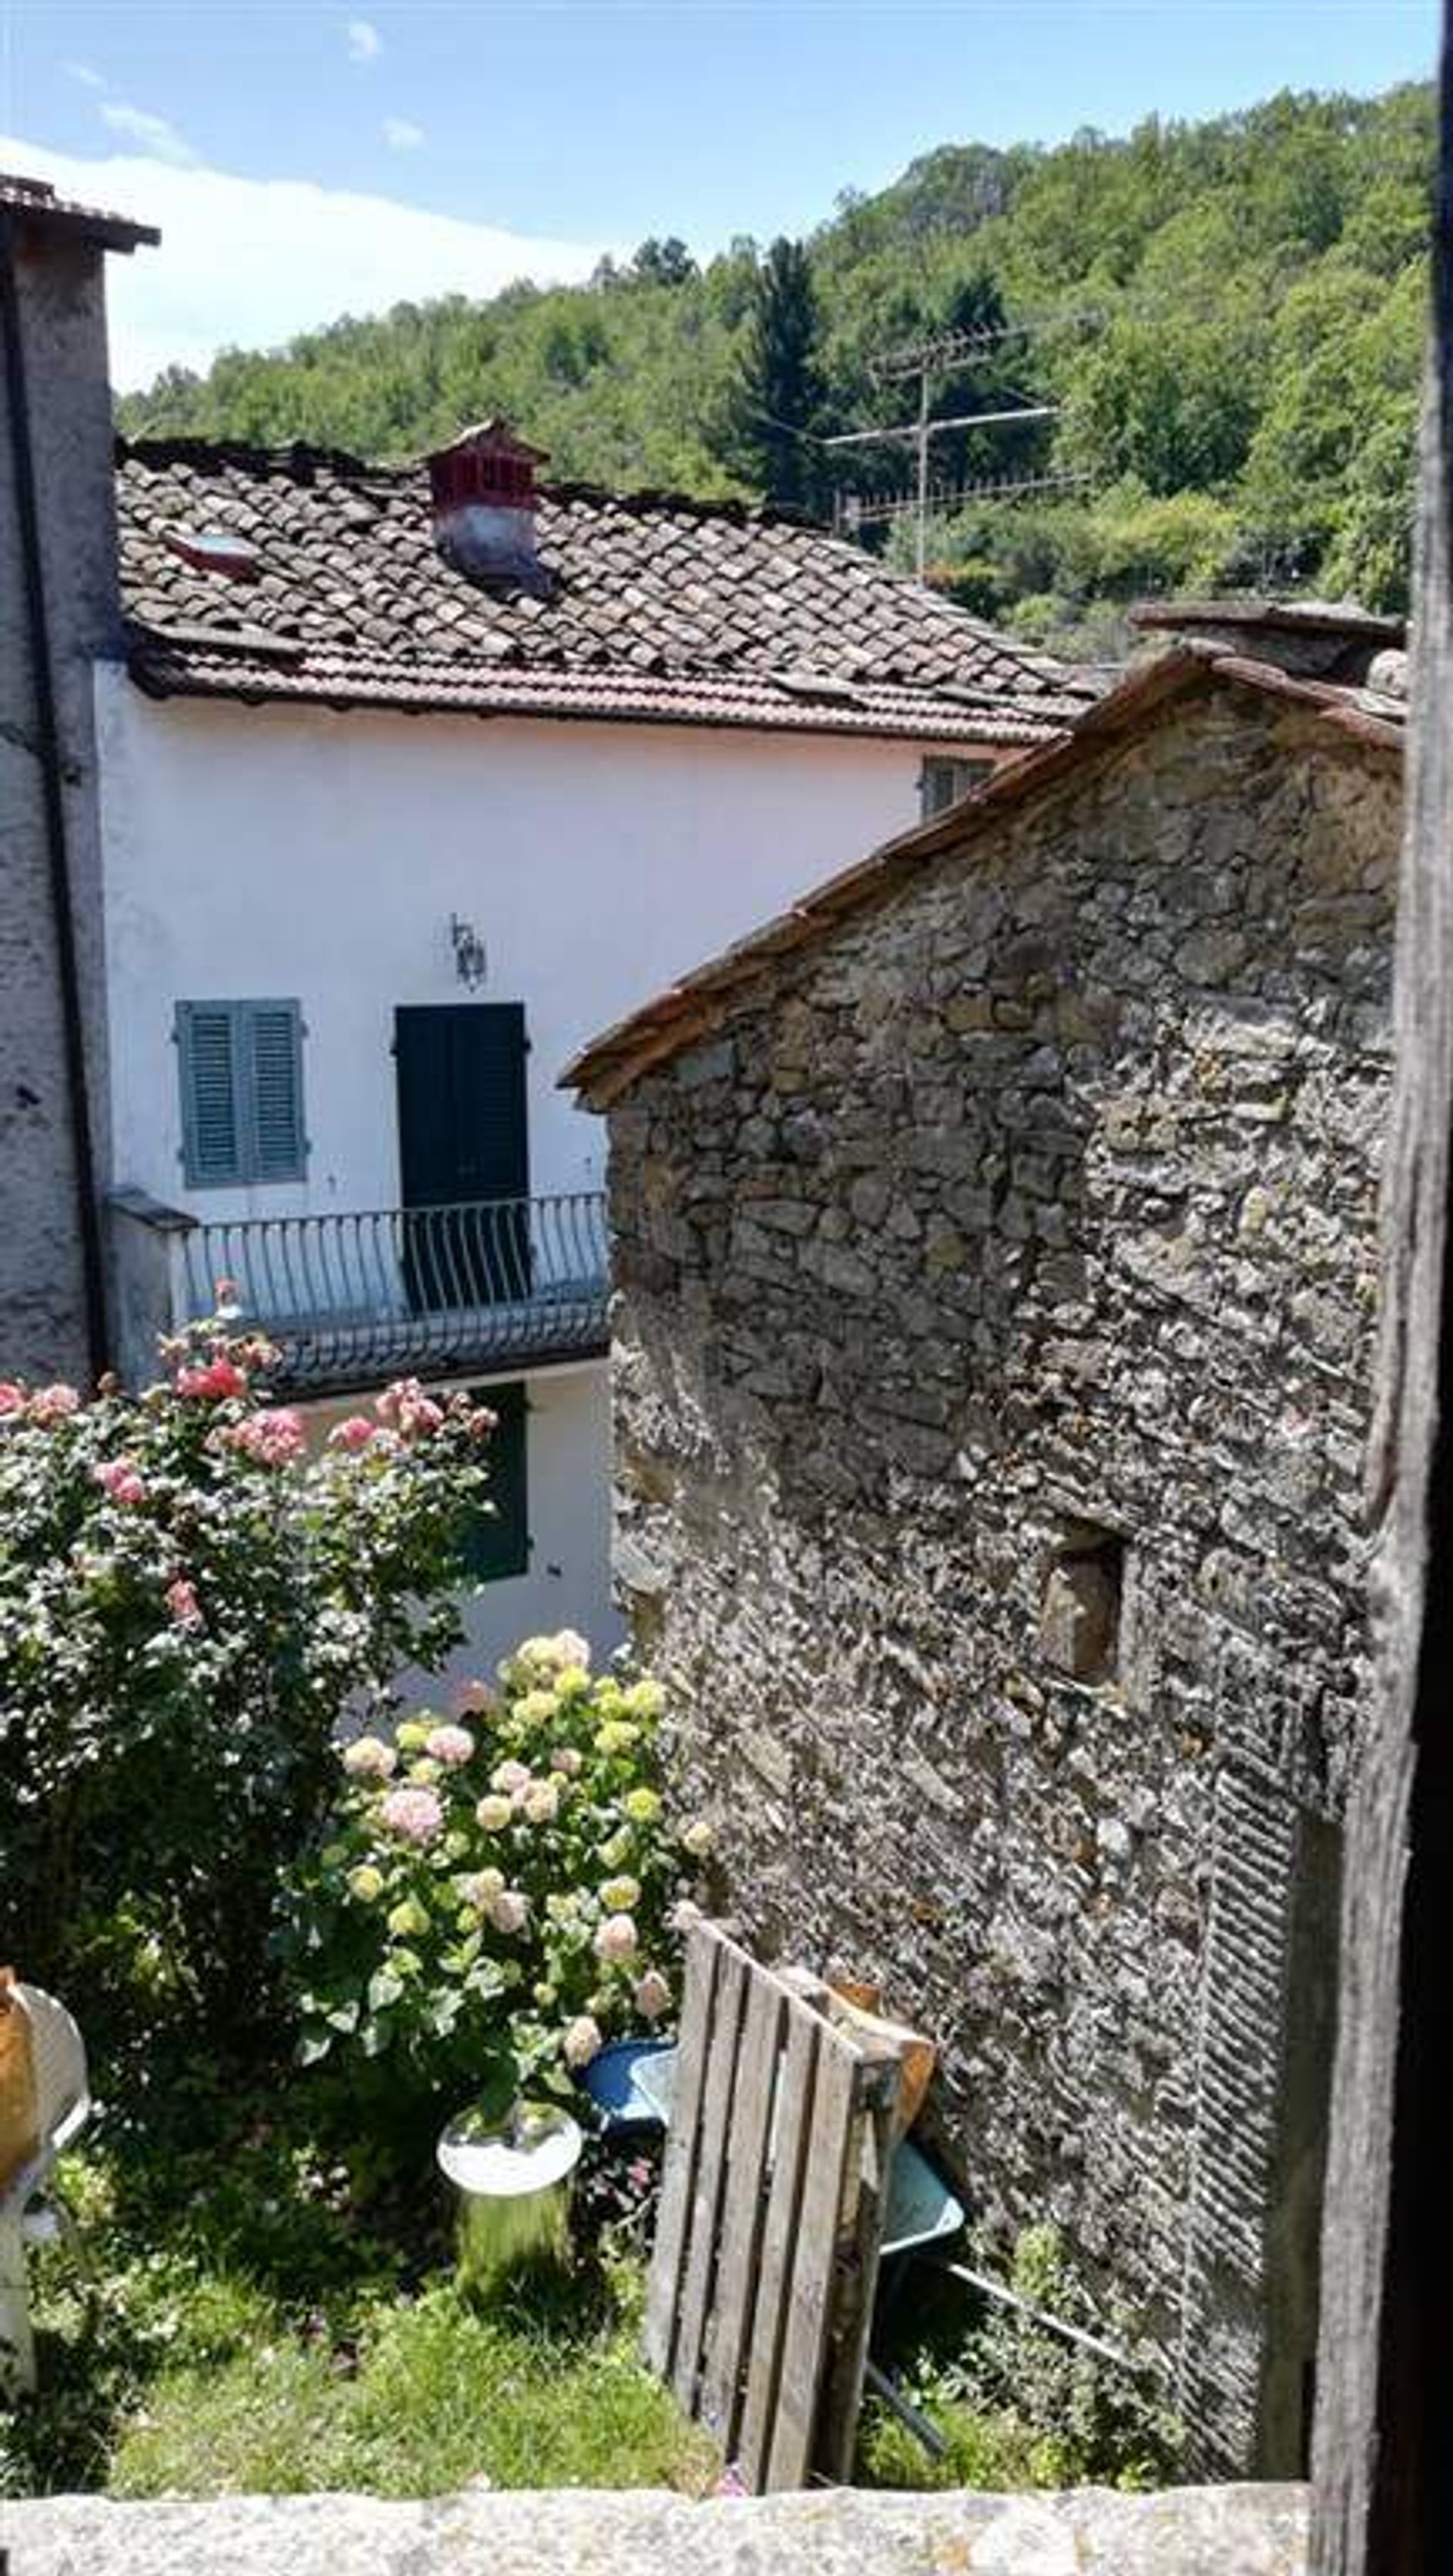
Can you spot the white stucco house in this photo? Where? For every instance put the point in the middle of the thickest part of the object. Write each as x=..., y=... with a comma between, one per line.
x=408, y=779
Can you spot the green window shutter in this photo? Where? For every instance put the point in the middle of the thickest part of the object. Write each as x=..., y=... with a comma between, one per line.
x=498, y=1545
x=274, y=1033
x=241, y=1072
x=211, y=1128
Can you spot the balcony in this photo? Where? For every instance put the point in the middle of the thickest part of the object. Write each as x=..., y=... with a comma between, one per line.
x=352, y=1300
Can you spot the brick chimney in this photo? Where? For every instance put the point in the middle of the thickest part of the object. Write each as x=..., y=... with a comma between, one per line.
x=484, y=508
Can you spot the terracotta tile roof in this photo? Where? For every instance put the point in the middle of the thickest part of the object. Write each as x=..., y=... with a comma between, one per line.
x=34, y=202
x=663, y=608
x=689, y=1010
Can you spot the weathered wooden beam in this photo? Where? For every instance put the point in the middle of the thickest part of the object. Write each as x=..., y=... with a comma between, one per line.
x=1383, y=2457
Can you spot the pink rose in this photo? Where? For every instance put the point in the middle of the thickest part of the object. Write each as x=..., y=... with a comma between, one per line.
x=616, y=1939
x=52, y=1404
x=450, y=1745
x=12, y=1397
x=404, y=1390
x=565, y=1759
x=273, y=1439
x=214, y=1383
x=419, y=1417
x=509, y=1778
x=510, y=1910
x=415, y=1815
x=181, y=1600
x=118, y=1478
x=355, y=1433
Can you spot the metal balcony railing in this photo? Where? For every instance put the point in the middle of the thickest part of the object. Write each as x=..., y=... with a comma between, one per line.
x=431, y=1291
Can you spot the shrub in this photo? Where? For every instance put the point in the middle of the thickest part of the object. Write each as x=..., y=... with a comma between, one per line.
x=492, y=1897
x=188, y=1602
x=1017, y=2403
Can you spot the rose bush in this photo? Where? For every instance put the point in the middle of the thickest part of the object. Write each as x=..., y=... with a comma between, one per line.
x=189, y=1600
x=495, y=1895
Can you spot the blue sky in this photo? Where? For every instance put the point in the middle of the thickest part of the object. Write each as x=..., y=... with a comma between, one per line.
x=305, y=158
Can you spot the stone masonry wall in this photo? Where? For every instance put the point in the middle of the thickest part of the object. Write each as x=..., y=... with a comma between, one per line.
x=42, y=1301
x=993, y=1341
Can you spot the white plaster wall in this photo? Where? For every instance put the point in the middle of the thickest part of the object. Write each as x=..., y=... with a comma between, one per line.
x=568, y=1585
x=263, y=852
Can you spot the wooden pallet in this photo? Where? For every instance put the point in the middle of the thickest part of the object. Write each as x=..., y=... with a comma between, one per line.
x=771, y=2216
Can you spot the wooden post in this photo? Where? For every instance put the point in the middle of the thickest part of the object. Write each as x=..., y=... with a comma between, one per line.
x=1383, y=2458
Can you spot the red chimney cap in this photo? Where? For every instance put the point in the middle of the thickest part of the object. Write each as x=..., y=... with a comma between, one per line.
x=499, y=436
x=487, y=464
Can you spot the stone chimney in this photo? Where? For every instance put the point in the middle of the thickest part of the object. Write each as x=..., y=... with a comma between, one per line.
x=60, y=614
x=1318, y=639
x=484, y=509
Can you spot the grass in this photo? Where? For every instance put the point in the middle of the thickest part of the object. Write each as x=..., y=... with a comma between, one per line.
x=251, y=2327
x=255, y=2322
x=434, y=2396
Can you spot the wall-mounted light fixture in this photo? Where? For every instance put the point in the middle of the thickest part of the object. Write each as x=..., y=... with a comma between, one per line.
x=471, y=957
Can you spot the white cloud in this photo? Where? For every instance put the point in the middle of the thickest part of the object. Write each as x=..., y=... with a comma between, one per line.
x=244, y=263
x=401, y=135
x=83, y=73
x=151, y=134
x=365, y=44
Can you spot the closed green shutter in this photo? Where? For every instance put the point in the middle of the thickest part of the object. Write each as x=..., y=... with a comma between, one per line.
x=241, y=1071
x=499, y=1543
x=207, y=1057
x=275, y=1036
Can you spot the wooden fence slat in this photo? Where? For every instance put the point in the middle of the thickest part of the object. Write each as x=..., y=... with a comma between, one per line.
x=678, y=2170
x=825, y=2182
x=772, y=2202
x=869, y=2158
x=694, y=2297
x=796, y=2080
x=743, y=2211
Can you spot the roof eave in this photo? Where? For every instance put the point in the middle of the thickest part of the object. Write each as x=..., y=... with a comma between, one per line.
x=162, y=673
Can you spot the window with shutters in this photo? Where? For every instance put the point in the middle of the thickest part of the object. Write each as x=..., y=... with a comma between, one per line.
x=241, y=1072
x=498, y=1544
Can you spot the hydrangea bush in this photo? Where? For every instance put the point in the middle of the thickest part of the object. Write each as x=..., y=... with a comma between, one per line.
x=496, y=1894
x=190, y=1595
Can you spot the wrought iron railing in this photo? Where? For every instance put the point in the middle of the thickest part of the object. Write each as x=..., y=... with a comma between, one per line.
x=441, y=1291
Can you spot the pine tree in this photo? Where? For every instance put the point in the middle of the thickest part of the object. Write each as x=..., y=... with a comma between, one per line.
x=778, y=400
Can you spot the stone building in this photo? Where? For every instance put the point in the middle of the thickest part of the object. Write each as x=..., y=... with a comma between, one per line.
x=60, y=610
x=994, y=1239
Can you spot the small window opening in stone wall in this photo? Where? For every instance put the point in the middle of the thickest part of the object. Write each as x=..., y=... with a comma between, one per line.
x=1083, y=1604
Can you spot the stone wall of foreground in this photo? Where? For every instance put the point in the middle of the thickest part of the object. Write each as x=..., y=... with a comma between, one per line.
x=992, y=1378
x=1227, y=2531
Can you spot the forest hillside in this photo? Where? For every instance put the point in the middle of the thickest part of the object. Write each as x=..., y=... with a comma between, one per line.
x=1226, y=320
